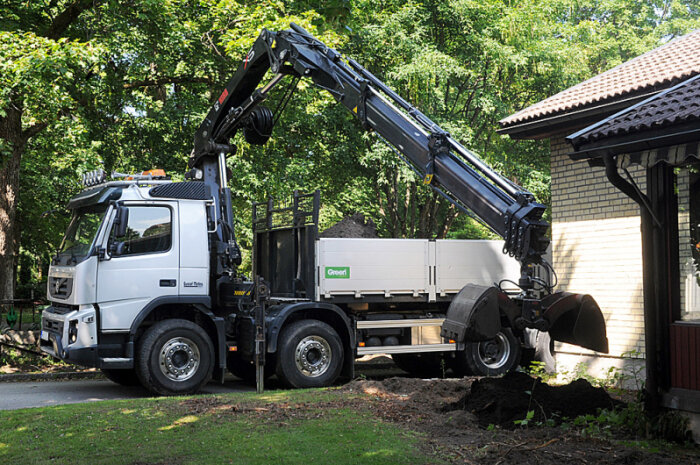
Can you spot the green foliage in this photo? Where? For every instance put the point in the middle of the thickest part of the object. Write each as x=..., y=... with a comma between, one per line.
x=125, y=85
x=633, y=422
x=528, y=418
x=538, y=370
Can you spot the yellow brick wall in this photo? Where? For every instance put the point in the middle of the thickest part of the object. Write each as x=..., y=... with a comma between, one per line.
x=596, y=246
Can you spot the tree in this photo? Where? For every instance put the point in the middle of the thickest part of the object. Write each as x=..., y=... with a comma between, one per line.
x=124, y=85
x=39, y=65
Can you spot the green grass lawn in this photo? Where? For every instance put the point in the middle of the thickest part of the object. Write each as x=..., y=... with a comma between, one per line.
x=280, y=427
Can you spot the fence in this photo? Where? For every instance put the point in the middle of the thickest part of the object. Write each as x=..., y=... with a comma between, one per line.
x=21, y=312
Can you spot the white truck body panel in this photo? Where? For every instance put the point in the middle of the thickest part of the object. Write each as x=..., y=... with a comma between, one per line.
x=373, y=266
x=460, y=262
x=408, y=267
x=194, y=248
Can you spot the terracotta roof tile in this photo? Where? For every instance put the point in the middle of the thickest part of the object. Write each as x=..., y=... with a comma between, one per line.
x=678, y=105
x=677, y=60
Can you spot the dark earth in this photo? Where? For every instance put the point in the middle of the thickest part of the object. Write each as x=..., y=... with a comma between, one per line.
x=447, y=414
x=355, y=225
x=503, y=401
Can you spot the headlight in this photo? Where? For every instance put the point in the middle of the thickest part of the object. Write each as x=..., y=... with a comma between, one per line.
x=73, y=331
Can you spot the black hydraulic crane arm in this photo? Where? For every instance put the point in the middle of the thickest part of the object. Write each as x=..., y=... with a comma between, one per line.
x=444, y=164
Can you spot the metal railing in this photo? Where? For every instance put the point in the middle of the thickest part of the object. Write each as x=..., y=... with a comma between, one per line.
x=22, y=309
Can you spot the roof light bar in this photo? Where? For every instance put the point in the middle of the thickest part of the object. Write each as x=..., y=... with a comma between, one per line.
x=154, y=174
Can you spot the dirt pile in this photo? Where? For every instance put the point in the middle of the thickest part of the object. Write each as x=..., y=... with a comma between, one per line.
x=459, y=435
x=352, y=226
x=502, y=401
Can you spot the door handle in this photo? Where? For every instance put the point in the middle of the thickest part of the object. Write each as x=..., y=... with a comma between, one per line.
x=168, y=283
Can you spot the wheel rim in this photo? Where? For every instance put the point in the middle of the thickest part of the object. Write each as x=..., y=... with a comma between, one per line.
x=313, y=356
x=494, y=354
x=179, y=359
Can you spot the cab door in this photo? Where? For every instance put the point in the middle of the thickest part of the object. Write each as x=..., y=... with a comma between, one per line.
x=140, y=266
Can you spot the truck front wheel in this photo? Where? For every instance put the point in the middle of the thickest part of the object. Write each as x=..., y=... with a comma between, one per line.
x=309, y=354
x=175, y=357
x=494, y=357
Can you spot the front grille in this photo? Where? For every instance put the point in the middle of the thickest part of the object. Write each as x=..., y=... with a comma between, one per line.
x=52, y=325
x=61, y=309
x=60, y=288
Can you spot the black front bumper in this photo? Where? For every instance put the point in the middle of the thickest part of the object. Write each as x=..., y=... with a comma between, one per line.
x=85, y=356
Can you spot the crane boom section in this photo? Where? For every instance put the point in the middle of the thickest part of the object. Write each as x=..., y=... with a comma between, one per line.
x=444, y=164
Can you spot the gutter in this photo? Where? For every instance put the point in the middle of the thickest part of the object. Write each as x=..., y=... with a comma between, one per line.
x=633, y=144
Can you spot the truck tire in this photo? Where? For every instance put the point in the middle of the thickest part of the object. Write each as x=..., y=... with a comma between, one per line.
x=123, y=377
x=494, y=357
x=428, y=365
x=174, y=357
x=309, y=354
x=544, y=352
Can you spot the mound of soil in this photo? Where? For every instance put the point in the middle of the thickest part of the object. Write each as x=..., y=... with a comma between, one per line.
x=458, y=436
x=502, y=401
x=352, y=226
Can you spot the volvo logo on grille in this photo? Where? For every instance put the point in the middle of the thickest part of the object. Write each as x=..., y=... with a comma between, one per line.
x=57, y=286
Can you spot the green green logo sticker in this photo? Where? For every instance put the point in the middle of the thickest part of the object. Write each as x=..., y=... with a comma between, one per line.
x=337, y=272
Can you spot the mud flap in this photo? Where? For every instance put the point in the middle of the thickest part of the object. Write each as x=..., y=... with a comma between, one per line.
x=576, y=319
x=473, y=315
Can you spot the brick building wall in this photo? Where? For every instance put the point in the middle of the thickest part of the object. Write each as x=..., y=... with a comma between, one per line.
x=596, y=246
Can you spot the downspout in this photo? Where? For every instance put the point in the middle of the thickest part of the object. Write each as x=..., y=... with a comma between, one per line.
x=652, y=398
x=623, y=185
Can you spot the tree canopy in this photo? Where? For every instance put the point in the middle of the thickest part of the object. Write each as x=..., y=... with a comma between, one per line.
x=123, y=85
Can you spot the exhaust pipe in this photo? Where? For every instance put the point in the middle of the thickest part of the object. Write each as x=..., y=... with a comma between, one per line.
x=576, y=319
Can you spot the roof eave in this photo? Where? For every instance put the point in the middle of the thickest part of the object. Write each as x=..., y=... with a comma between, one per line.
x=541, y=128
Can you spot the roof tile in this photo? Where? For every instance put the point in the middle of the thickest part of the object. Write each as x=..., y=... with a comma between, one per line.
x=680, y=104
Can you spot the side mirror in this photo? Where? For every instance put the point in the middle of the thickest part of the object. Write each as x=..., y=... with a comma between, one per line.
x=121, y=221
x=117, y=248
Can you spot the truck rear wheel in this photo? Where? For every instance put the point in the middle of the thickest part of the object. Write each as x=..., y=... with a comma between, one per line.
x=494, y=357
x=309, y=354
x=123, y=377
x=175, y=357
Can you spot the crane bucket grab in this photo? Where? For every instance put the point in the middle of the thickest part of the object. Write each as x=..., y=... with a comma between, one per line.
x=576, y=319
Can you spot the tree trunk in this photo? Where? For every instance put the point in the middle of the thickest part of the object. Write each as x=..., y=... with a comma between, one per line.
x=11, y=131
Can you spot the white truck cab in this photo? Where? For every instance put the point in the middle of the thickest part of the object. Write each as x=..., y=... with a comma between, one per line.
x=104, y=276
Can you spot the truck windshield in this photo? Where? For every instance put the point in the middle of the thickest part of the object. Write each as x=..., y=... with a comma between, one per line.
x=81, y=232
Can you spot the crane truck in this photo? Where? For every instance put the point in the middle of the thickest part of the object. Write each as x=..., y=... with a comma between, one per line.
x=146, y=287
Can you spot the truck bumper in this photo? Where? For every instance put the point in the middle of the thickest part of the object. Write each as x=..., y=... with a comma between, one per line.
x=71, y=336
